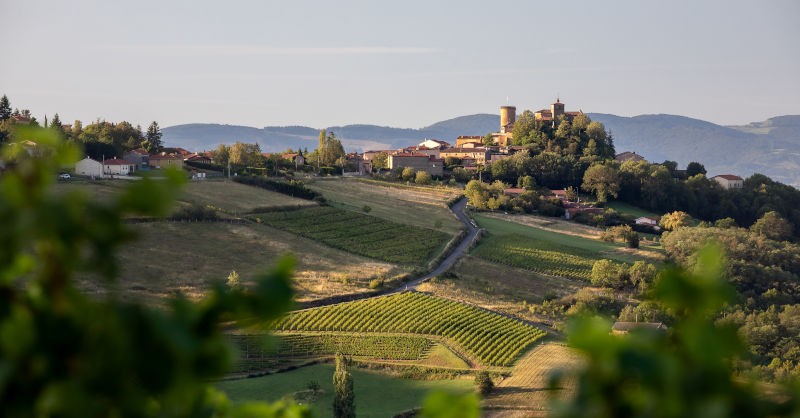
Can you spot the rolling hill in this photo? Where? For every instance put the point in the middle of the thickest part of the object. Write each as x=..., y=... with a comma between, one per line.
x=770, y=147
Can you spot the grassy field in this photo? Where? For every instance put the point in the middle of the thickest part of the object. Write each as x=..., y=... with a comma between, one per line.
x=487, y=337
x=525, y=393
x=376, y=395
x=630, y=210
x=419, y=206
x=173, y=257
x=545, y=251
x=235, y=198
x=361, y=234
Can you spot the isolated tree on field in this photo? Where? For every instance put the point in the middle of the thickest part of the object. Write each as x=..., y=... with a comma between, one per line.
x=152, y=143
x=344, y=404
x=772, y=226
x=675, y=220
x=603, y=180
x=483, y=383
x=606, y=273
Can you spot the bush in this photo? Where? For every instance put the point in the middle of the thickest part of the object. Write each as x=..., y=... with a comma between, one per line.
x=376, y=284
x=483, y=383
x=422, y=178
x=195, y=213
x=366, y=208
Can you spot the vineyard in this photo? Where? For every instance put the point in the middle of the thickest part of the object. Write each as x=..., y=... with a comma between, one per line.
x=491, y=338
x=360, y=234
x=384, y=347
x=538, y=255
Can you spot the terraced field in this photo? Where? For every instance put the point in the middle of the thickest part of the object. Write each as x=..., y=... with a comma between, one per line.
x=360, y=234
x=490, y=338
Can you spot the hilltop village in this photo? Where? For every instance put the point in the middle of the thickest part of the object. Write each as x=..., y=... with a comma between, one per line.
x=443, y=264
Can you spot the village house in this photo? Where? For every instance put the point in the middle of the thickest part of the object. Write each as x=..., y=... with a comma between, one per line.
x=471, y=141
x=729, y=181
x=419, y=149
x=480, y=155
x=165, y=160
x=118, y=167
x=647, y=221
x=434, y=143
x=198, y=158
x=89, y=167
x=628, y=156
x=420, y=162
x=138, y=157
x=295, y=158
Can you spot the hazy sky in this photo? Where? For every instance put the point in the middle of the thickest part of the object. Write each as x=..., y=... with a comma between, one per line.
x=403, y=63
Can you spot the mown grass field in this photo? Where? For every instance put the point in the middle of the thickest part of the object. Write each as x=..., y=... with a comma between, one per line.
x=171, y=257
x=488, y=337
x=235, y=198
x=413, y=205
x=527, y=390
x=361, y=234
x=545, y=251
x=376, y=395
x=630, y=210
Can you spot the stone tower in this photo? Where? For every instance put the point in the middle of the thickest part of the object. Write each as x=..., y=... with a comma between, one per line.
x=508, y=115
x=556, y=109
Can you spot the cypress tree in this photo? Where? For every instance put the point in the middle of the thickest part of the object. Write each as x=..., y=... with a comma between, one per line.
x=344, y=404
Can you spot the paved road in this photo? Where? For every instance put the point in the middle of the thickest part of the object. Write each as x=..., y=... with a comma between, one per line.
x=458, y=252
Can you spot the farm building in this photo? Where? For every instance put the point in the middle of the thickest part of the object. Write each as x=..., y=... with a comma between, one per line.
x=89, y=167
x=626, y=327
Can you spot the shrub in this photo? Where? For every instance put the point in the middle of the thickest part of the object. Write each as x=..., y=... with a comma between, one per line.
x=376, y=283
x=483, y=383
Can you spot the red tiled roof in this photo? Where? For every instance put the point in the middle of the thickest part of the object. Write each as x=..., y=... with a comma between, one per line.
x=165, y=157
x=729, y=177
x=470, y=137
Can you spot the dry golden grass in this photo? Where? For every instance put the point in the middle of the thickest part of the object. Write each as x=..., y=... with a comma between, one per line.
x=234, y=197
x=418, y=206
x=173, y=257
x=526, y=392
x=499, y=287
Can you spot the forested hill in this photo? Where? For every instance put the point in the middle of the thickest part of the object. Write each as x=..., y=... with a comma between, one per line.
x=199, y=136
x=771, y=147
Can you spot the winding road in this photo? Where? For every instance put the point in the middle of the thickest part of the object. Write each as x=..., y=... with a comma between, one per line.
x=462, y=248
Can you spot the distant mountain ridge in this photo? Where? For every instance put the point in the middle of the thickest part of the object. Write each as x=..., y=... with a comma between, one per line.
x=770, y=147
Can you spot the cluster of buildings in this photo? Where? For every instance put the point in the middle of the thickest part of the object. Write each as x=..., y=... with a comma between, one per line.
x=137, y=160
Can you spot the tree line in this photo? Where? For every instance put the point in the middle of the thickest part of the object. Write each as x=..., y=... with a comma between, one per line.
x=99, y=139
